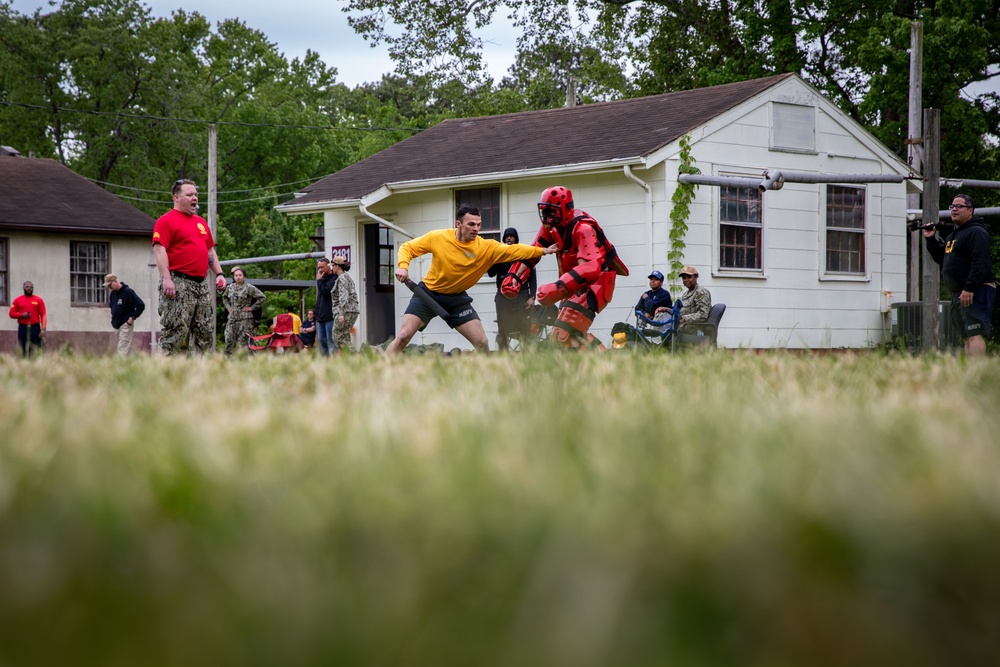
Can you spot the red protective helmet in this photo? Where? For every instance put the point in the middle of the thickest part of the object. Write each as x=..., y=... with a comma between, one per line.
x=556, y=206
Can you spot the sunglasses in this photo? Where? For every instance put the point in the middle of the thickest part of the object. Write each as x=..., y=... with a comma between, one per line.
x=688, y=275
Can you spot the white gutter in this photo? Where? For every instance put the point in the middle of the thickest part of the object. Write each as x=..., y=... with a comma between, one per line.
x=627, y=170
x=384, y=222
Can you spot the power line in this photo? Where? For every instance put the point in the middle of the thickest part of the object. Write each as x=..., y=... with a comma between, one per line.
x=221, y=192
x=227, y=201
x=193, y=121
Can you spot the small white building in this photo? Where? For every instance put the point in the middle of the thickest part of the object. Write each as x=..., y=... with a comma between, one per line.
x=64, y=234
x=812, y=266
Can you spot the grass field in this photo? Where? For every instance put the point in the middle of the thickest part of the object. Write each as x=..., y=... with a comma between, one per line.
x=719, y=509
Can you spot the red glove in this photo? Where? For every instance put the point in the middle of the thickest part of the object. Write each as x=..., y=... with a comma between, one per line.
x=549, y=295
x=511, y=286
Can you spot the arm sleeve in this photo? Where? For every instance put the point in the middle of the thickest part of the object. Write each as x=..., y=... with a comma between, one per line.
x=138, y=306
x=532, y=283
x=411, y=249
x=981, y=269
x=935, y=247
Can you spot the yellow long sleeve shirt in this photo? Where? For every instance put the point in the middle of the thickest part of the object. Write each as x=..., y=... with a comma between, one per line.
x=455, y=266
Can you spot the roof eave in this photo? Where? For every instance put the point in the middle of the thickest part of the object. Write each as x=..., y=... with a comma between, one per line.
x=28, y=227
x=417, y=185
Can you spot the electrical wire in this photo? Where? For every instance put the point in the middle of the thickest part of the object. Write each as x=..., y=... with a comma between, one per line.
x=195, y=121
x=277, y=185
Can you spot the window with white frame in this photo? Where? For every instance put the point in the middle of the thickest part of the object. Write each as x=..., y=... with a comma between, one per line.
x=487, y=200
x=793, y=127
x=4, y=283
x=88, y=264
x=845, y=229
x=741, y=228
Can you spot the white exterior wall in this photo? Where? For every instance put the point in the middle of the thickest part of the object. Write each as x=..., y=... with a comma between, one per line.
x=790, y=303
x=44, y=260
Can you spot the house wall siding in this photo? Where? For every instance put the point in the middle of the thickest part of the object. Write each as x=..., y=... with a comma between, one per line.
x=792, y=302
x=44, y=260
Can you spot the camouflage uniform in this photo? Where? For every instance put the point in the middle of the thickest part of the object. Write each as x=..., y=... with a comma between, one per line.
x=345, y=302
x=187, y=319
x=695, y=304
x=240, y=324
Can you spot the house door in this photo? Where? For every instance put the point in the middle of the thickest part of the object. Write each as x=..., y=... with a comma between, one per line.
x=380, y=271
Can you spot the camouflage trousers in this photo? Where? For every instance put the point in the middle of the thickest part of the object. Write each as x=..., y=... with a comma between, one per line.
x=187, y=319
x=237, y=329
x=342, y=331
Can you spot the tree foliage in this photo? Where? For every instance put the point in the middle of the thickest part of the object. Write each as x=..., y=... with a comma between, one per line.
x=125, y=99
x=856, y=53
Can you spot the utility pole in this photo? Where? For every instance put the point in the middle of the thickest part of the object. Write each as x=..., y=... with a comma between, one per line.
x=213, y=135
x=913, y=152
x=932, y=193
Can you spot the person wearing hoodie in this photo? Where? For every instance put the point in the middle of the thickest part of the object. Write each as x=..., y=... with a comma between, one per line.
x=126, y=307
x=513, y=315
x=967, y=270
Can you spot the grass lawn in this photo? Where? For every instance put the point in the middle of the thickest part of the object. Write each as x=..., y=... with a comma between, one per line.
x=701, y=509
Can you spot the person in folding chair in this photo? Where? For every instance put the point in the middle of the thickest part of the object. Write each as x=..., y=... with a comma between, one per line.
x=696, y=301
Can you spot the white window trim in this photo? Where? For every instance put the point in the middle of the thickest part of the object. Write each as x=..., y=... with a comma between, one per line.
x=774, y=146
x=717, y=269
x=837, y=276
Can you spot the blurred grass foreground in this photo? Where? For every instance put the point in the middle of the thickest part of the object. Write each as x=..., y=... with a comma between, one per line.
x=718, y=509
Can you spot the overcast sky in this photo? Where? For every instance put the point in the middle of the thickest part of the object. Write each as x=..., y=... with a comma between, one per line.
x=297, y=25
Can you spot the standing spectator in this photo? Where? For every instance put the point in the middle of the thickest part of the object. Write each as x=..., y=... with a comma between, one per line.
x=325, y=281
x=513, y=314
x=126, y=307
x=344, y=300
x=307, y=332
x=696, y=301
x=459, y=260
x=967, y=269
x=29, y=311
x=240, y=299
x=184, y=250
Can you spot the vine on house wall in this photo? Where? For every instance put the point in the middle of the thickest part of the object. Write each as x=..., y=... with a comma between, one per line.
x=680, y=212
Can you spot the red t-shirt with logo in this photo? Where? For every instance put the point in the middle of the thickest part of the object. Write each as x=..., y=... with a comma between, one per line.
x=187, y=240
x=32, y=305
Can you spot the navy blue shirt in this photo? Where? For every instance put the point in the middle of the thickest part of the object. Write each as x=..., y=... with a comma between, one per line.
x=654, y=299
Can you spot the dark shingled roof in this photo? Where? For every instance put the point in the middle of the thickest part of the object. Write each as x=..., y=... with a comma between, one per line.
x=42, y=195
x=537, y=139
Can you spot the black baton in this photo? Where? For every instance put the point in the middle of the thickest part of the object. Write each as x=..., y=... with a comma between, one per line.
x=425, y=296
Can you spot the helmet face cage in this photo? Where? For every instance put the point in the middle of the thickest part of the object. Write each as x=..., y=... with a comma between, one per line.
x=555, y=206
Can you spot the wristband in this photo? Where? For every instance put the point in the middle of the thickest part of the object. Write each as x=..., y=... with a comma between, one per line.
x=218, y=274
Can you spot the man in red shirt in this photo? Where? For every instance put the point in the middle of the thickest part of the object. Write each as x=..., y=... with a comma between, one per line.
x=184, y=250
x=29, y=311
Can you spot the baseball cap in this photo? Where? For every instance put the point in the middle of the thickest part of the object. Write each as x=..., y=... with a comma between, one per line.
x=339, y=260
x=689, y=271
x=110, y=278
x=656, y=274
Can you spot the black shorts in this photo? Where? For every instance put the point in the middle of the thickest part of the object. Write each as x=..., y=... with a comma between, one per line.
x=458, y=306
x=977, y=318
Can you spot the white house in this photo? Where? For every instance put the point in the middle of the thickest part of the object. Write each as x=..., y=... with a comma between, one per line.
x=812, y=265
x=64, y=233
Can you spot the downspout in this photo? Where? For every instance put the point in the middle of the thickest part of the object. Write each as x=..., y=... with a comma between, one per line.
x=627, y=170
x=382, y=221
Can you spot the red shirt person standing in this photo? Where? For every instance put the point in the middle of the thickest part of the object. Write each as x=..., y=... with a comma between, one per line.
x=29, y=311
x=184, y=249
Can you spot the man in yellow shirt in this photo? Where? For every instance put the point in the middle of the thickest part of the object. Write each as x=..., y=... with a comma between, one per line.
x=460, y=258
